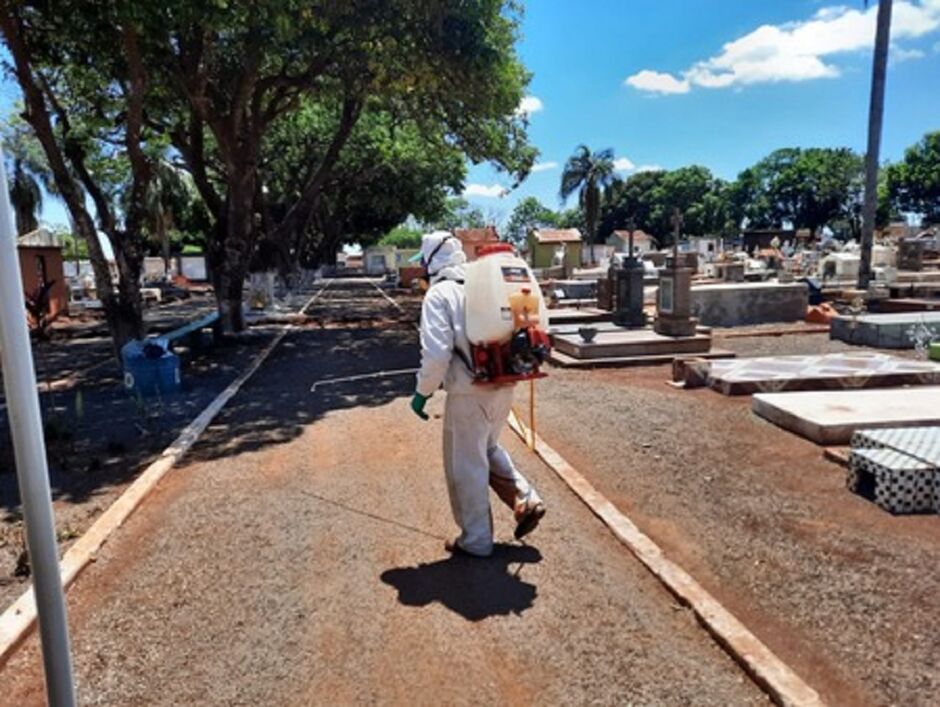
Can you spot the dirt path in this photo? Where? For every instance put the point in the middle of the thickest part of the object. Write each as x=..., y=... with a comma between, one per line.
x=298, y=559
x=843, y=592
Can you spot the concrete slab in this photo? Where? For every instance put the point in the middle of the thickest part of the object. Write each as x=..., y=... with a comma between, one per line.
x=826, y=372
x=630, y=342
x=831, y=417
x=606, y=326
x=745, y=303
x=584, y=315
x=883, y=331
x=564, y=361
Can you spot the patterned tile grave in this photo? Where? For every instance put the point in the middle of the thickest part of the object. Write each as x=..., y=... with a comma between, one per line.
x=899, y=467
x=900, y=484
x=919, y=442
x=823, y=372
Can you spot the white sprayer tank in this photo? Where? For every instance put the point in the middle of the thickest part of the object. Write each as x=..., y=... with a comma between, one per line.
x=489, y=283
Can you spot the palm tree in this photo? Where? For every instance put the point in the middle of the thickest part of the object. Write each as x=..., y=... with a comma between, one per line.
x=875, y=116
x=168, y=189
x=25, y=197
x=588, y=174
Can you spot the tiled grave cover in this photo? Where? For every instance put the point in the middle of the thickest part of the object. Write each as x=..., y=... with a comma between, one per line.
x=902, y=484
x=829, y=371
x=921, y=443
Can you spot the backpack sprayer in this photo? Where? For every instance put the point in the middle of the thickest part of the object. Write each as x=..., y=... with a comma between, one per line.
x=504, y=317
x=505, y=314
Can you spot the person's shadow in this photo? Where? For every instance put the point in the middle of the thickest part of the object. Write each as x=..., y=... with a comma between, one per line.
x=475, y=588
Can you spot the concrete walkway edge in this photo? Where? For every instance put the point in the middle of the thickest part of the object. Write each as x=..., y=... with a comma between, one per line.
x=774, y=676
x=20, y=617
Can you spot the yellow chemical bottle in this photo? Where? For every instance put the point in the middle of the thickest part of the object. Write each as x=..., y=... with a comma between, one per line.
x=525, y=309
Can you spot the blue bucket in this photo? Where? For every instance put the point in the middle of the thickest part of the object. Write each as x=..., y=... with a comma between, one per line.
x=150, y=368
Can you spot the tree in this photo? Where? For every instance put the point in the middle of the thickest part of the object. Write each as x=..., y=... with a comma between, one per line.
x=62, y=54
x=402, y=237
x=647, y=199
x=804, y=188
x=529, y=213
x=914, y=183
x=28, y=173
x=167, y=199
x=588, y=174
x=25, y=197
x=457, y=213
x=391, y=167
x=875, y=117
x=241, y=67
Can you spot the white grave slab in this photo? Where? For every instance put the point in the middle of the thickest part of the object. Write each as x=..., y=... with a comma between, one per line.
x=830, y=417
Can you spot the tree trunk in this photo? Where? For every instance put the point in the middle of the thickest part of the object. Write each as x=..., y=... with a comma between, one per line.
x=875, y=116
x=236, y=251
x=228, y=297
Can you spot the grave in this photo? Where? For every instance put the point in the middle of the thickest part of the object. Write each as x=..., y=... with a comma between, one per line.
x=774, y=374
x=832, y=417
x=911, y=255
x=626, y=290
x=675, y=332
x=674, y=303
x=746, y=303
x=895, y=481
x=629, y=342
x=898, y=468
x=884, y=331
x=584, y=316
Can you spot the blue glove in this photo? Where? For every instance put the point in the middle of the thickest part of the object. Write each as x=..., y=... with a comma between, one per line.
x=417, y=404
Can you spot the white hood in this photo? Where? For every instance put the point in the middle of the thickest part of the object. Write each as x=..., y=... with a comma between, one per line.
x=448, y=256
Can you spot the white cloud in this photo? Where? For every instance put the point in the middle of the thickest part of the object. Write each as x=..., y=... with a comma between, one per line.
x=649, y=168
x=657, y=82
x=529, y=105
x=622, y=164
x=795, y=51
x=491, y=191
x=899, y=54
x=544, y=166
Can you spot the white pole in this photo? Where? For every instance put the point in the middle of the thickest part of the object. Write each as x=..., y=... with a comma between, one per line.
x=19, y=382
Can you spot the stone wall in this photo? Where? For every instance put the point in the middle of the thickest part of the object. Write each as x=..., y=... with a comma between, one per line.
x=741, y=304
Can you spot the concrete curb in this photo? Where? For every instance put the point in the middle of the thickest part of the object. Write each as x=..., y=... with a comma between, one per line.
x=20, y=617
x=770, y=673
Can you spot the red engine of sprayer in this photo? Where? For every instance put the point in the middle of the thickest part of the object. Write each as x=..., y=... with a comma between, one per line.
x=517, y=360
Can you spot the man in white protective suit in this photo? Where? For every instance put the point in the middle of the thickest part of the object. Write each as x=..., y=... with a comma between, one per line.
x=474, y=415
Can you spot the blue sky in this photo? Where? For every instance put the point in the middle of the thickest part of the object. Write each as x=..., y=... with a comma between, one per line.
x=714, y=82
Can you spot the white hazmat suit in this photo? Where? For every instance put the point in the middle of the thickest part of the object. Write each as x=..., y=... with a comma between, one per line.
x=474, y=415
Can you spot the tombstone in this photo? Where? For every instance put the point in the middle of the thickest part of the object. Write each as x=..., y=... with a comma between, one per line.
x=911, y=255
x=626, y=289
x=732, y=271
x=674, y=301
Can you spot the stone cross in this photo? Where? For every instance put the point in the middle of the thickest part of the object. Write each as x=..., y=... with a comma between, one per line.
x=630, y=226
x=677, y=221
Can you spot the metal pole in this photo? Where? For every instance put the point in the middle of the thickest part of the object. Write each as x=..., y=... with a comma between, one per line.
x=19, y=381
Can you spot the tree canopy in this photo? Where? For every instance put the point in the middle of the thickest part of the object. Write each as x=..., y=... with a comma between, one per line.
x=258, y=103
x=914, y=183
x=589, y=174
x=529, y=213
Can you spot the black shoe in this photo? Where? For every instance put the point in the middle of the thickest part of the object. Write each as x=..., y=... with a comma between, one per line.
x=530, y=521
x=454, y=548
